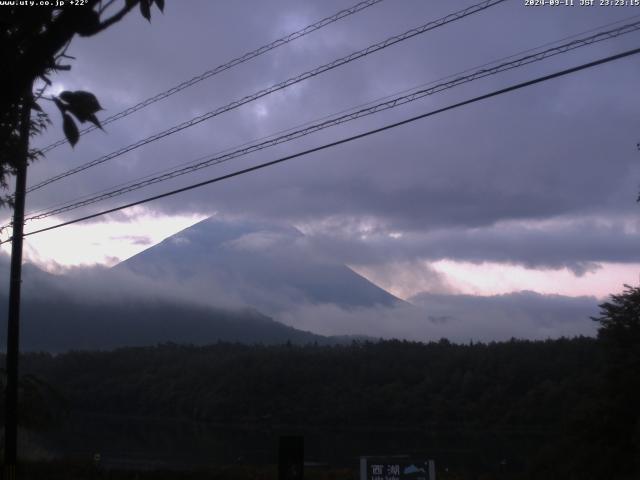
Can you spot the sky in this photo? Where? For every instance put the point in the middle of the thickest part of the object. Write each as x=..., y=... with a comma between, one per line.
x=532, y=190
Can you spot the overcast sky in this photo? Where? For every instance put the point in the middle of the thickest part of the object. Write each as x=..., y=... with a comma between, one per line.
x=532, y=190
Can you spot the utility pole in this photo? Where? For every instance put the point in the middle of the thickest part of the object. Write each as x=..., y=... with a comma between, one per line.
x=13, y=324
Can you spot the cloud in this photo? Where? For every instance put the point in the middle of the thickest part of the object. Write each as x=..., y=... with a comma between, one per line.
x=134, y=239
x=459, y=318
x=406, y=278
x=430, y=316
x=521, y=156
x=578, y=244
x=259, y=241
x=99, y=285
x=545, y=177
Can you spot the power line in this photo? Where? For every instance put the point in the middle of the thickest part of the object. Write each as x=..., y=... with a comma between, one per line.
x=324, y=117
x=351, y=109
x=226, y=66
x=279, y=86
x=346, y=140
x=205, y=162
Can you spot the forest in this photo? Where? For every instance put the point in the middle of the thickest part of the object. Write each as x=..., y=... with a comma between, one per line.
x=563, y=408
x=537, y=399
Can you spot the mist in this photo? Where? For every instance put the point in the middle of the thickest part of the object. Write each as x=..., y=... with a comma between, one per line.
x=98, y=307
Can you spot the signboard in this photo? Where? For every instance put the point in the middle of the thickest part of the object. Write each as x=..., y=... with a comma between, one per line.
x=380, y=468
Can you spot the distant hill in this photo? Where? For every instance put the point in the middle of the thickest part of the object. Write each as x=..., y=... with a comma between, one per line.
x=102, y=310
x=260, y=265
x=53, y=325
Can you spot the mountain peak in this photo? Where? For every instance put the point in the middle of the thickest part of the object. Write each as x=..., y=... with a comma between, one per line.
x=268, y=267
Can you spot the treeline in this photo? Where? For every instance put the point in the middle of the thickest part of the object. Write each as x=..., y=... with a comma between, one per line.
x=527, y=400
x=565, y=408
x=394, y=383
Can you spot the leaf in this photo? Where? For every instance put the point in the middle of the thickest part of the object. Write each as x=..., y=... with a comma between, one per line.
x=61, y=106
x=81, y=104
x=90, y=23
x=88, y=100
x=160, y=4
x=145, y=9
x=93, y=119
x=70, y=129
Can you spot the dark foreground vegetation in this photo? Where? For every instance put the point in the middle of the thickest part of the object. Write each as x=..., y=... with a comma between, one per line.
x=86, y=471
x=390, y=384
x=566, y=408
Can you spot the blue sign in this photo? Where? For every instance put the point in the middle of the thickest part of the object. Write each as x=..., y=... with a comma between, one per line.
x=380, y=468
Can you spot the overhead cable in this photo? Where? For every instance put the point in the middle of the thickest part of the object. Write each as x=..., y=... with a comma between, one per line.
x=324, y=117
x=216, y=159
x=226, y=66
x=345, y=140
x=274, y=88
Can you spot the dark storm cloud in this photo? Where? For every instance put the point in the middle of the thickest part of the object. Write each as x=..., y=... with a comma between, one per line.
x=577, y=245
x=562, y=149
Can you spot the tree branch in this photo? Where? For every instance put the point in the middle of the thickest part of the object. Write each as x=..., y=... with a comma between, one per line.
x=106, y=6
x=117, y=17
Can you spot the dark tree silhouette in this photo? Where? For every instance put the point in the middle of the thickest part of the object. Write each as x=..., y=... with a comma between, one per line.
x=33, y=45
x=512, y=401
x=619, y=336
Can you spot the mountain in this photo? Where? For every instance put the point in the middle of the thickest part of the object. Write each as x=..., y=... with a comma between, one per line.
x=215, y=281
x=96, y=308
x=54, y=325
x=264, y=266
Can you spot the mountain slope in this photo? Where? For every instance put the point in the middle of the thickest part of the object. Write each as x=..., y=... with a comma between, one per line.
x=55, y=325
x=101, y=309
x=263, y=266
